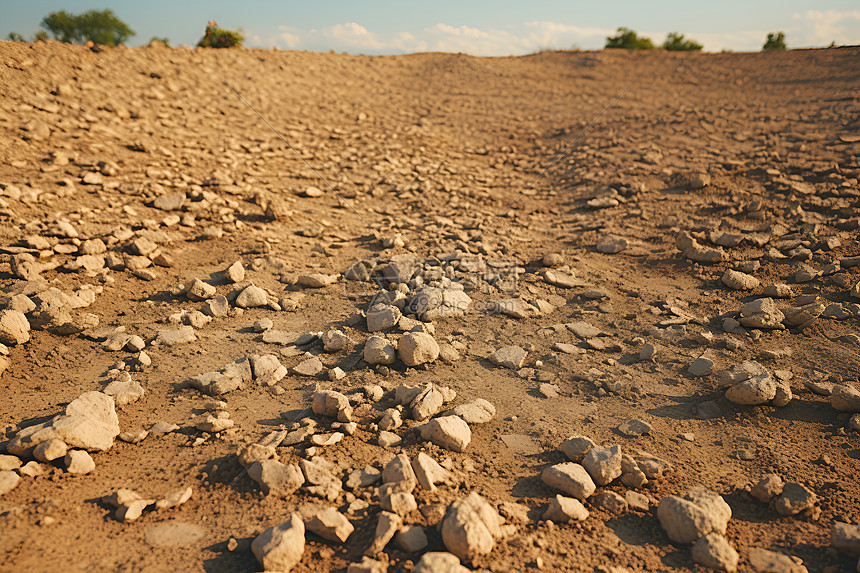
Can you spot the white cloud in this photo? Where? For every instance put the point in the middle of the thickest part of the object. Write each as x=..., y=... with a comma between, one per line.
x=820, y=28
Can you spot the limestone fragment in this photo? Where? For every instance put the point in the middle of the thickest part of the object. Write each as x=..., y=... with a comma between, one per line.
x=331, y=524
x=696, y=514
x=449, y=432
x=570, y=478
x=280, y=548
x=276, y=478
x=563, y=509
x=713, y=551
x=79, y=462
x=470, y=527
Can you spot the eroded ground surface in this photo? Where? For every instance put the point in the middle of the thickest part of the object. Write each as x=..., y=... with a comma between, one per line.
x=437, y=160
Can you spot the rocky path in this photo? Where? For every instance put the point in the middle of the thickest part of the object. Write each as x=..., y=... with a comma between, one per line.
x=587, y=311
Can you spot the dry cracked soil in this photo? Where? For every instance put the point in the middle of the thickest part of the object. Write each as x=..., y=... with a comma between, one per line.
x=588, y=209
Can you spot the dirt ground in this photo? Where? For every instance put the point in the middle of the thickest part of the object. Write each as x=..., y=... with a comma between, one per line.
x=495, y=158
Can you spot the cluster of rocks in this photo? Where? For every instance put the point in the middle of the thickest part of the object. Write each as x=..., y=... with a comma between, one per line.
x=788, y=498
x=130, y=505
x=89, y=424
x=751, y=384
x=594, y=466
x=700, y=518
x=469, y=527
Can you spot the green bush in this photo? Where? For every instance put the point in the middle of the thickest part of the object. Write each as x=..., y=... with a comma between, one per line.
x=675, y=42
x=216, y=37
x=628, y=40
x=16, y=37
x=164, y=41
x=774, y=42
x=99, y=26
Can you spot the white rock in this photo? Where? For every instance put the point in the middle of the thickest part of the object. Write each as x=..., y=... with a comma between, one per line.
x=378, y=350
x=399, y=470
x=124, y=391
x=8, y=480
x=79, y=462
x=845, y=398
x=280, y=548
x=276, y=478
x=368, y=565
x=333, y=404
x=764, y=561
x=751, y=384
x=428, y=472
x=563, y=509
x=267, y=369
x=252, y=296
x=335, y=340
x=399, y=502
x=330, y=524
x=90, y=423
x=417, y=348
x=411, y=539
x=235, y=273
x=696, y=514
x=511, y=357
x=14, y=327
x=794, y=499
x=470, y=527
x=570, y=478
x=767, y=488
x=50, y=450
x=387, y=525
x=713, y=551
x=382, y=316
x=761, y=313
x=603, y=464
x=739, y=281
x=449, y=432
x=478, y=411
x=439, y=562
x=576, y=446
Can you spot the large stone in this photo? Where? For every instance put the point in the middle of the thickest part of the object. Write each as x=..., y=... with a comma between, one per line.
x=427, y=403
x=563, y=509
x=332, y=404
x=8, y=480
x=478, y=411
x=692, y=250
x=382, y=316
x=576, y=447
x=267, y=369
x=428, y=472
x=79, y=462
x=470, y=527
x=449, y=432
x=761, y=313
x=751, y=384
x=233, y=376
x=331, y=524
x=378, y=350
x=125, y=391
x=439, y=562
x=276, y=478
x=767, y=488
x=845, y=398
x=570, y=478
x=739, y=281
x=764, y=561
x=252, y=296
x=14, y=327
x=713, y=551
x=50, y=450
x=509, y=356
x=696, y=514
x=280, y=548
x=603, y=464
x=417, y=348
x=845, y=537
x=794, y=499
x=90, y=423
x=387, y=525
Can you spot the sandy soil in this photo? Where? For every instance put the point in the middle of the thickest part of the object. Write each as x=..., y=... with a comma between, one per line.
x=489, y=157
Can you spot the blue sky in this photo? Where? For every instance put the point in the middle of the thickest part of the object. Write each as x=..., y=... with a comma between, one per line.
x=503, y=27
